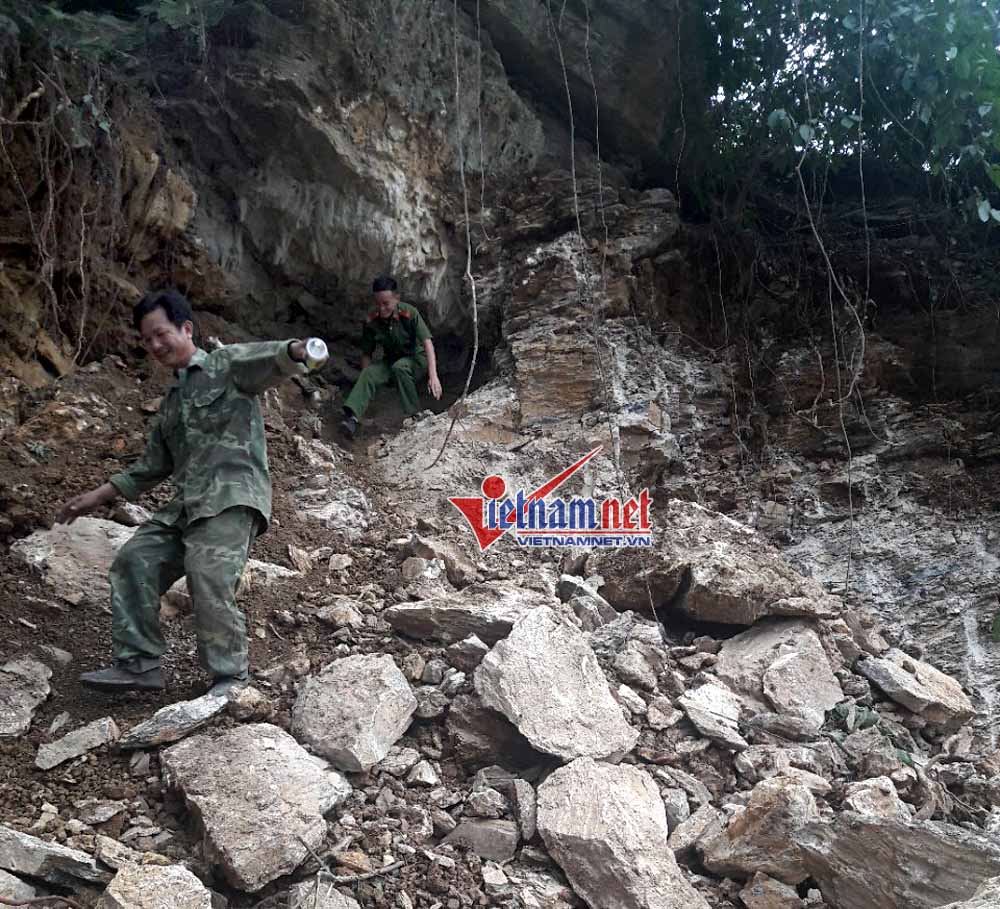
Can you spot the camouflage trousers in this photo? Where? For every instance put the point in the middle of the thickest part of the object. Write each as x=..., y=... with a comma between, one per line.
x=211, y=553
x=406, y=372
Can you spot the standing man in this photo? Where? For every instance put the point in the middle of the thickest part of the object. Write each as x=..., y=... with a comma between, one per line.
x=407, y=355
x=209, y=438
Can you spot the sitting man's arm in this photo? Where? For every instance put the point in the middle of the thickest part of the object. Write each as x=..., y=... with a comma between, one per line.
x=155, y=465
x=433, y=382
x=258, y=367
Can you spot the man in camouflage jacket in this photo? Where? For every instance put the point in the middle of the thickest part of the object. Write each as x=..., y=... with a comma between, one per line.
x=209, y=439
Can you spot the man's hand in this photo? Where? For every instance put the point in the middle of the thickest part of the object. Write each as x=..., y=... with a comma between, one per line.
x=434, y=386
x=297, y=351
x=86, y=503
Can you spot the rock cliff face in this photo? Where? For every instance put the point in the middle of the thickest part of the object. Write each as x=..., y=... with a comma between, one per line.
x=328, y=135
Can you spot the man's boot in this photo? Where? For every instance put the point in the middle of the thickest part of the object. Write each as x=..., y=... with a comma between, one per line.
x=349, y=425
x=124, y=676
x=224, y=686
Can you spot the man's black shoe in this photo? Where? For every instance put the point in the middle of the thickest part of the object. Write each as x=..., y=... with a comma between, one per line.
x=118, y=678
x=349, y=426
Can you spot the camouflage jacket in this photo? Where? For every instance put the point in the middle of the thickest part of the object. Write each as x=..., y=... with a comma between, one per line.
x=209, y=434
x=401, y=335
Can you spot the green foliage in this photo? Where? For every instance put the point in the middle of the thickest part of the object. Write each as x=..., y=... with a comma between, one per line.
x=915, y=82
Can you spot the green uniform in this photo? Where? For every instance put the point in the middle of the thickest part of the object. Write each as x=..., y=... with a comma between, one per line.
x=401, y=338
x=209, y=438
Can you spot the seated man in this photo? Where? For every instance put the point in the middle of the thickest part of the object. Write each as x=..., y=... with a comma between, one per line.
x=209, y=438
x=407, y=355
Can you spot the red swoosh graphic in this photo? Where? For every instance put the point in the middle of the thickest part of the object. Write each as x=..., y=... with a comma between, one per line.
x=472, y=508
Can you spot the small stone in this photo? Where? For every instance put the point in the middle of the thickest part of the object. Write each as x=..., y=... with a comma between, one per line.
x=413, y=666
x=78, y=742
x=493, y=840
x=631, y=700
x=424, y=774
x=97, y=811
x=340, y=561
x=661, y=714
x=434, y=672
x=676, y=804
x=399, y=761
x=765, y=892
x=431, y=702
x=495, y=882
x=249, y=704
x=468, y=653
x=705, y=822
x=486, y=803
x=173, y=722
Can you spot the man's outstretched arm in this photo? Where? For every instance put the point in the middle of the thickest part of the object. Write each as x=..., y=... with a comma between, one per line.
x=258, y=366
x=155, y=465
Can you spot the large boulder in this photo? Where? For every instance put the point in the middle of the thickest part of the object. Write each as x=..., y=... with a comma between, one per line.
x=763, y=836
x=859, y=862
x=710, y=568
x=607, y=828
x=259, y=797
x=155, y=887
x=546, y=680
x=919, y=687
x=781, y=665
x=488, y=611
x=354, y=711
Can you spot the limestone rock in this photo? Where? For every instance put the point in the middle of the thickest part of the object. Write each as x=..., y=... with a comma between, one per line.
x=74, y=559
x=460, y=570
x=781, y=664
x=713, y=569
x=606, y=827
x=705, y=822
x=173, y=722
x=249, y=704
x=13, y=888
x=468, y=653
x=254, y=820
x=765, y=892
x=487, y=611
x=79, y=741
x=715, y=712
x=319, y=894
x=23, y=854
x=155, y=887
x=919, y=687
x=546, y=680
x=24, y=684
x=859, y=862
x=354, y=711
x=875, y=797
x=763, y=836
x=493, y=840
